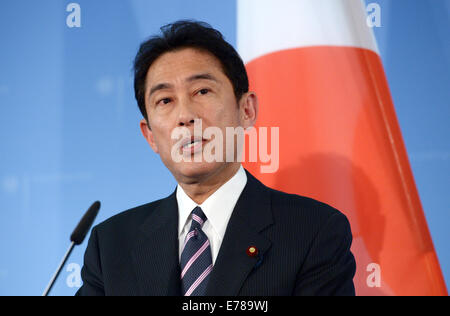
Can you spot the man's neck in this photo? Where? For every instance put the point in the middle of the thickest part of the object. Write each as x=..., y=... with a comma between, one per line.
x=200, y=191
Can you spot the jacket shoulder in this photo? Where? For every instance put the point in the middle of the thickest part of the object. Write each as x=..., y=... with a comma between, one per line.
x=298, y=207
x=126, y=220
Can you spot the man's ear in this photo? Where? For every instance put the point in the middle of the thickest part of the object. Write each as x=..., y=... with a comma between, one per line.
x=248, y=108
x=148, y=134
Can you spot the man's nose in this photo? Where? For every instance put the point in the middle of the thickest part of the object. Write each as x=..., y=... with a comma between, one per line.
x=186, y=122
x=187, y=115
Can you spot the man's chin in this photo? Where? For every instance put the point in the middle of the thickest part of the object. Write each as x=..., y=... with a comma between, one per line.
x=190, y=172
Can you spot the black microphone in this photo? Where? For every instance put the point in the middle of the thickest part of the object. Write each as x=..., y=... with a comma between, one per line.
x=76, y=238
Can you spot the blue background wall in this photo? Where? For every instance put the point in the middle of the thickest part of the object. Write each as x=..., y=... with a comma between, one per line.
x=69, y=131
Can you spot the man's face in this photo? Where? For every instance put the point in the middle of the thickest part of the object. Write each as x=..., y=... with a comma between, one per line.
x=182, y=88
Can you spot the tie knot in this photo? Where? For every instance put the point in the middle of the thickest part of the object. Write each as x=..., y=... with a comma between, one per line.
x=198, y=217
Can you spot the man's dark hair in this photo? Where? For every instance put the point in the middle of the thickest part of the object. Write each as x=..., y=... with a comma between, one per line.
x=184, y=34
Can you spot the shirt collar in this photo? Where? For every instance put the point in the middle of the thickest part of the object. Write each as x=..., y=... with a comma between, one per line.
x=217, y=207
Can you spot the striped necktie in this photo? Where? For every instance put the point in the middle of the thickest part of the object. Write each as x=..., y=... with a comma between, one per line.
x=196, y=262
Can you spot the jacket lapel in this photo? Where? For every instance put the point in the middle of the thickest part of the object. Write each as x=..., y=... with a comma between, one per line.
x=251, y=215
x=155, y=257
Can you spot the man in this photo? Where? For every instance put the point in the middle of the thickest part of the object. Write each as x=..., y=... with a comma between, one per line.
x=221, y=232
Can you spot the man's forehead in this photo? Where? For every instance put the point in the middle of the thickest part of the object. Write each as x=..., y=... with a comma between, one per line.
x=184, y=64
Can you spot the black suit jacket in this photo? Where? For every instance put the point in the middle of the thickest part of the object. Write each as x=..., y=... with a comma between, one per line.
x=303, y=249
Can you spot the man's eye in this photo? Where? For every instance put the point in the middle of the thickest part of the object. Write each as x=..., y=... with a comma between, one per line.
x=163, y=101
x=203, y=91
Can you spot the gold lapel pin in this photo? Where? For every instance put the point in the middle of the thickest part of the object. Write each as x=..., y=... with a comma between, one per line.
x=252, y=251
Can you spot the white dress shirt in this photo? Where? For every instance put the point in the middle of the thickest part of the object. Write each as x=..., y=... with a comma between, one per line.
x=217, y=208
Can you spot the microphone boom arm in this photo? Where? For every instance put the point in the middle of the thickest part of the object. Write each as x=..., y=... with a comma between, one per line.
x=58, y=271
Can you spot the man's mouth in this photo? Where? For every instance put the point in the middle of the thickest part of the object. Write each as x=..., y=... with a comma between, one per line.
x=192, y=145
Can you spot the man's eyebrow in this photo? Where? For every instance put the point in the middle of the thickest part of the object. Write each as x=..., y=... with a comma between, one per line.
x=159, y=86
x=162, y=86
x=206, y=76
